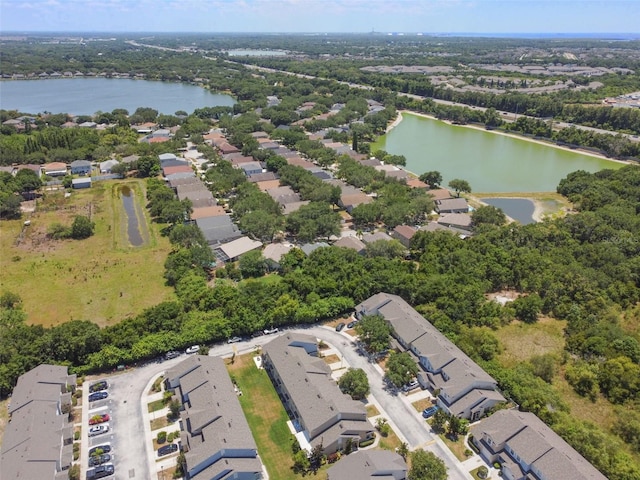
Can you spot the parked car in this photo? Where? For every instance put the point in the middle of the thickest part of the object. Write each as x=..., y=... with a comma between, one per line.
x=98, y=430
x=234, y=340
x=171, y=354
x=96, y=419
x=100, y=471
x=429, y=412
x=268, y=331
x=105, y=448
x=93, y=397
x=193, y=349
x=410, y=386
x=352, y=324
x=95, y=460
x=340, y=326
x=167, y=449
x=99, y=386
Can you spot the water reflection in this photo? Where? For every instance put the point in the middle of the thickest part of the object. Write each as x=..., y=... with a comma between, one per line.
x=133, y=230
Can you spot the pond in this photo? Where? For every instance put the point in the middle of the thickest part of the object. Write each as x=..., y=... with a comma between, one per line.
x=130, y=207
x=520, y=209
x=86, y=96
x=490, y=162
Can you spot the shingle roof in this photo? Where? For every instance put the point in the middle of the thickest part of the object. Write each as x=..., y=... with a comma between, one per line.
x=215, y=430
x=369, y=465
x=536, y=444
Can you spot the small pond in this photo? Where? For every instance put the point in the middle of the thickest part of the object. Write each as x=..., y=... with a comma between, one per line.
x=520, y=209
x=133, y=227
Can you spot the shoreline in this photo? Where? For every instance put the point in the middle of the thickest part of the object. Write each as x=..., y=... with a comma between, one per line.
x=399, y=119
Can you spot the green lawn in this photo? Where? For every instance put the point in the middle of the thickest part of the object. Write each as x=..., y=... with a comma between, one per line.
x=102, y=278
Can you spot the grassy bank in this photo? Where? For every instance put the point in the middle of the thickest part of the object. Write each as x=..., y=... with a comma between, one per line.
x=103, y=278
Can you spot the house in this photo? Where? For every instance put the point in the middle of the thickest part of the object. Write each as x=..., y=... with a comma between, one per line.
x=309, y=248
x=351, y=201
x=166, y=157
x=55, y=169
x=527, y=448
x=369, y=465
x=321, y=413
x=84, y=182
x=232, y=250
x=262, y=177
x=354, y=243
x=368, y=238
x=274, y=252
x=462, y=388
x=130, y=158
x=184, y=167
x=217, y=230
x=88, y=125
x=38, y=439
x=460, y=221
x=416, y=183
x=214, y=433
x=105, y=167
x=404, y=234
x=251, y=168
x=80, y=167
x=204, y=212
x=440, y=194
x=452, y=205
x=226, y=148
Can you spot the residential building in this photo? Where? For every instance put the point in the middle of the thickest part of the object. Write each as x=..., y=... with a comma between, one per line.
x=369, y=465
x=218, y=229
x=452, y=205
x=461, y=386
x=55, y=169
x=214, y=434
x=106, y=166
x=38, y=439
x=526, y=448
x=320, y=412
x=80, y=167
x=461, y=221
x=232, y=250
x=404, y=234
x=84, y=182
x=354, y=243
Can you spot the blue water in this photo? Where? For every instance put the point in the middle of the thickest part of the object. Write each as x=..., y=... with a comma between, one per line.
x=86, y=96
x=520, y=209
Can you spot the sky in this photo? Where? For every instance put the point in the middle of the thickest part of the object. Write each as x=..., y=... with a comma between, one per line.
x=218, y=16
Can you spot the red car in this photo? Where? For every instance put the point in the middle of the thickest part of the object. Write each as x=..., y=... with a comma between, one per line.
x=98, y=419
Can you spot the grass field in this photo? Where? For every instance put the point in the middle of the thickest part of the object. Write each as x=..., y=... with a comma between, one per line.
x=103, y=278
x=521, y=341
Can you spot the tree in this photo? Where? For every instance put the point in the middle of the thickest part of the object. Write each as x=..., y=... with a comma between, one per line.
x=373, y=331
x=355, y=383
x=401, y=368
x=82, y=227
x=253, y=264
x=457, y=426
x=488, y=215
x=426, y=466
x=432, y=178
x=10, y=205
x=460, y=186
x=27, y=180
x=544, y=366
x=403, y=450
x=527, y=308
x=439, y=420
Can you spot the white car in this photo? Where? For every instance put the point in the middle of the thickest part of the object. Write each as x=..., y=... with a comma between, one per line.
x=98, y=429
x=268, y=331
x=193, y=349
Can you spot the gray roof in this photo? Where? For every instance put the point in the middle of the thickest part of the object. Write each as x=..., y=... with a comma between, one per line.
x=369, y=464
x=218, y=229
x=308, y=248
x=324, y=411
x=453, y=372
x=215, y=432
x=536, y=444
x=353, y=243
x=33, y=443
x=80, y=163
x=452, y=205
x=375, y=236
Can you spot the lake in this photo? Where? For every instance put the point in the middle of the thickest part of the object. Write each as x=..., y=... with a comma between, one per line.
x=488, y=161
x=86, y=96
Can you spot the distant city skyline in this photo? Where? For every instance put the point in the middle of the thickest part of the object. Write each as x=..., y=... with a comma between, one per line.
x=331, y=16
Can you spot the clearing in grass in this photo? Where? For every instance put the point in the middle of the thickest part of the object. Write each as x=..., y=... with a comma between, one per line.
x=102, y=278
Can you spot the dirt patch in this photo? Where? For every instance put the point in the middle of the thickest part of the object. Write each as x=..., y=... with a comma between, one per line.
x=503, y=296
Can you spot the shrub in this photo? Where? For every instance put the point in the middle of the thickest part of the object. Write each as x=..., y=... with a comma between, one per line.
x=366, y=443
x=162, y=437
x=76, y=435
x=483, y=472
x=74, y=472
x=468, y=453
x=497, y=465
